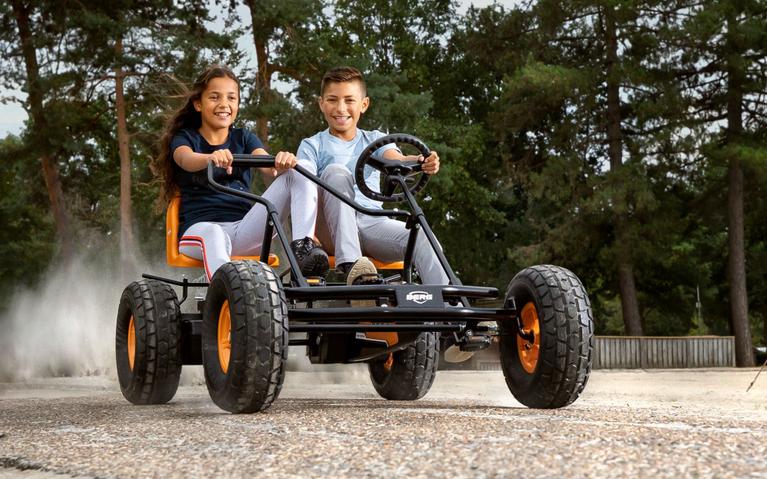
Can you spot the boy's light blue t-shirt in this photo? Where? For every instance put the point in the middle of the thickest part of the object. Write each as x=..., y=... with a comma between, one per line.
x=325, y=149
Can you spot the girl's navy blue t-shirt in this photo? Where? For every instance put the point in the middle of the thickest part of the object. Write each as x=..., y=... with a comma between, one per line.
x=200, y=202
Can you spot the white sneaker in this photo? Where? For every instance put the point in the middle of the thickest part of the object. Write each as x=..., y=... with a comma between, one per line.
x=453, y=354
x=362, y=269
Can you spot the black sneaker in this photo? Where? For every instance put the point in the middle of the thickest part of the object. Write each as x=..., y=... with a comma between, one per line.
x=312, y=260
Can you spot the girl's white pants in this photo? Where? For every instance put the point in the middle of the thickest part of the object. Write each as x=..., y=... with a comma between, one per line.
x=214, y=243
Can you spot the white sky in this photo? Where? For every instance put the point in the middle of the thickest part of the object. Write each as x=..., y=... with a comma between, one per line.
x=12, y=115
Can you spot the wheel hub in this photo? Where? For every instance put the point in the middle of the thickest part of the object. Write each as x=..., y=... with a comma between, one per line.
x=131, y=342
x=224, y=337
x=528, y=349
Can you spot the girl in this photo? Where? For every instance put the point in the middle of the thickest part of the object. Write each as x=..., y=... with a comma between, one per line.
x=213, y=225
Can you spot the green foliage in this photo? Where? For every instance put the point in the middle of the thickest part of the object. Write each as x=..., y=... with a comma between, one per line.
x=513, y=99
x=27, y=236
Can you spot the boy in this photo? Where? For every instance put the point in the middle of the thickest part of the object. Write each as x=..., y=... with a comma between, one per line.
x=343, y=231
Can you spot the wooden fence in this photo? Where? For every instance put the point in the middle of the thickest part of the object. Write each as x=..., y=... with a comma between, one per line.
x=636, y=352
x=647, y=352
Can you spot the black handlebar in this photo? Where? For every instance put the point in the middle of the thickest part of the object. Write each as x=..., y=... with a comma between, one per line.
x=254, y=161
x=267, y=161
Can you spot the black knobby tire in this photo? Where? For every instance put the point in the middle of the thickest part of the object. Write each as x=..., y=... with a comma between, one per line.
x=412, y=371
x=154, y=375
x=566, y=341
x=259, y=337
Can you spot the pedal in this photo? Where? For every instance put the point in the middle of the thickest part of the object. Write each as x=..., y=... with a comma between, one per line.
x=369, y=279
x=490, y=327
x=465, y=349
x=475, y=343
x=315, y=281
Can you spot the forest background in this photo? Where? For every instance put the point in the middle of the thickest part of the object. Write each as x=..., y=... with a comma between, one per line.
x=622, y=139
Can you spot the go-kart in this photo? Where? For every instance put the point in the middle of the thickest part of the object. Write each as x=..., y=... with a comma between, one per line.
x=250, y=314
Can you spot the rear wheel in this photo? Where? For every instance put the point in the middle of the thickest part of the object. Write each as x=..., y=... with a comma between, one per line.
x=244, y=337
x=407, y=374
x=549, y=364
x=148, y=342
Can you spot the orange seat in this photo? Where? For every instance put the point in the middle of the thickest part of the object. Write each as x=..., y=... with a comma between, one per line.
x=378, y=264
x=174, y=258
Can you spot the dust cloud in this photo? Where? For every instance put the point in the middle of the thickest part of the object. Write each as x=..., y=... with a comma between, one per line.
x=65, y=326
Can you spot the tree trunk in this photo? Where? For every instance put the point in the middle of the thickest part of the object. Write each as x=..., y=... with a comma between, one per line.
x=764, y=325
x=623, y=250
x=127, y=246
x=40, y=131
x=264, y=74
x=736, y=264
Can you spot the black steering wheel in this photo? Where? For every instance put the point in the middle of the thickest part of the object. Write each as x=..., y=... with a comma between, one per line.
x=408, y=170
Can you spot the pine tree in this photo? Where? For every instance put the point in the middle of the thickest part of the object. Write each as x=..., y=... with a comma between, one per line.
x=31, y=32
x=722, y=76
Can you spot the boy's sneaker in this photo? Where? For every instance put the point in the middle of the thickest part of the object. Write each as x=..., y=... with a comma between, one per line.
x=362, y=271
x=312, y=260
x=453, y=354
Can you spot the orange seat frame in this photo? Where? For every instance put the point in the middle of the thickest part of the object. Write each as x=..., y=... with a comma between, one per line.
x=172, y=255
x=174, y=258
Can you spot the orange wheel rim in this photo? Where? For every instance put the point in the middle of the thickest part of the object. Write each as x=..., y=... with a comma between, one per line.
x=131, y=343
x=529, y=350
x=224, y=337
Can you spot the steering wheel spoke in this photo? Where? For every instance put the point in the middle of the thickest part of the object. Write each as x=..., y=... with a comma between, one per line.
x=389, y=188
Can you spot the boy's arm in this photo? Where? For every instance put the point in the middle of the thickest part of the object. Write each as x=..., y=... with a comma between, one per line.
x=430, y=164
x=308, y=151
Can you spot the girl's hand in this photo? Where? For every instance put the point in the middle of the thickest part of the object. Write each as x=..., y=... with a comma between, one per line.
x=283, y=162
x=222, y=159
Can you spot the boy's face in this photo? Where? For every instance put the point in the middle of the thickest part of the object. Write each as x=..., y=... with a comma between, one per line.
x=342, y=104
x=219, y=103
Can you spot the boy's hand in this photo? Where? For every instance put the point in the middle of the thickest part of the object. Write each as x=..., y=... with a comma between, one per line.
x=430, y=165
x=283, y=162
x=222, y=159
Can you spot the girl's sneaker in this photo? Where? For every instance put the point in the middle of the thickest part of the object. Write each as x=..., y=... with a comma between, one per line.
x=312, y=259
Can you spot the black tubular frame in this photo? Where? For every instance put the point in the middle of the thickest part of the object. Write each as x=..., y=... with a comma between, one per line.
x=455, y=318
x=417, y=217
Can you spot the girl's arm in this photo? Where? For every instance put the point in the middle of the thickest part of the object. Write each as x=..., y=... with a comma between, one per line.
x=190, y=161
x=430, y=164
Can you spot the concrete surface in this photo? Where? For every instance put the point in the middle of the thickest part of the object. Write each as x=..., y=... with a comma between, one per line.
x=659, y=423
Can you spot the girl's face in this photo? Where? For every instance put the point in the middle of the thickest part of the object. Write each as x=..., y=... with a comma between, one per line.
x=219, y=103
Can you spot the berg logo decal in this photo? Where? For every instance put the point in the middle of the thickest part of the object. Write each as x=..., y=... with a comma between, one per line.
x=419, y=297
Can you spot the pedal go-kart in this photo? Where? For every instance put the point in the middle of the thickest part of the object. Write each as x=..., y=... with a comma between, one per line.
x=250, y=315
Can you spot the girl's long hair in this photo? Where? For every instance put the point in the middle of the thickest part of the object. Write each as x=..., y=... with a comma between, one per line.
x=184, y=117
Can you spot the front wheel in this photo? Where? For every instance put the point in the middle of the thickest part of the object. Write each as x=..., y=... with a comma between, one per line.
x=548, y=364
x=244, y=337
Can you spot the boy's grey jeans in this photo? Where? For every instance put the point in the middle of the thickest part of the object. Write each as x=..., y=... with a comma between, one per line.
x=348, y=234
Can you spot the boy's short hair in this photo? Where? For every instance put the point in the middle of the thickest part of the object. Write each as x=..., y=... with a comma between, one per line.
x=341, y=75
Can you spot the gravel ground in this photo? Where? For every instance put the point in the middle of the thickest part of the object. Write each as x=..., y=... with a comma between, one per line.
x=672, y=423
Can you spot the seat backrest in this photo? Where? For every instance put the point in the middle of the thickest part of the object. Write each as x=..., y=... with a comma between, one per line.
x=172, y=255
